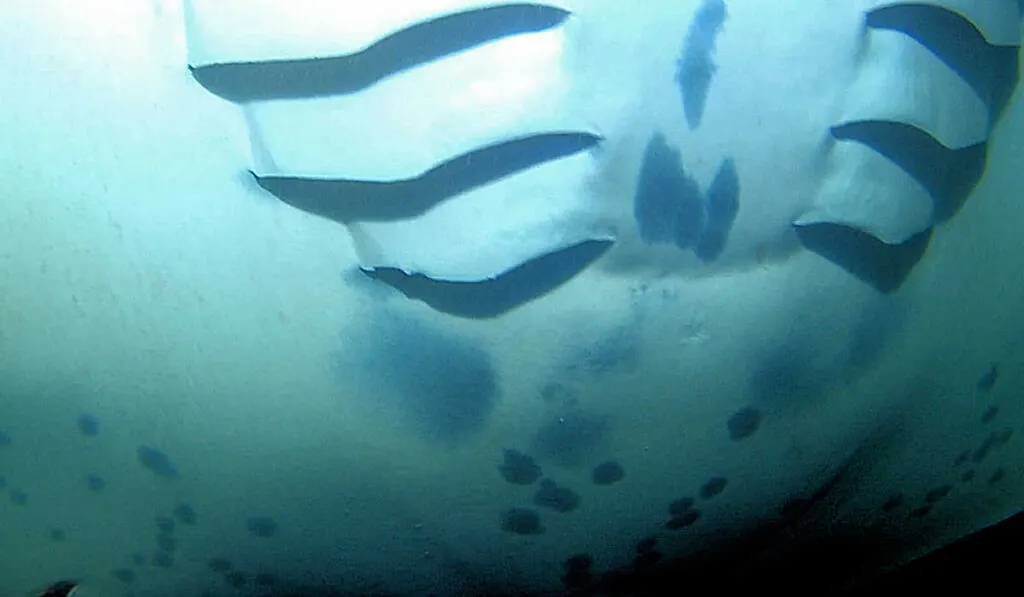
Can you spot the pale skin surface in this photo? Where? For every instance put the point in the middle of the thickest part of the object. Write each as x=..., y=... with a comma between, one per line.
x=150, y=284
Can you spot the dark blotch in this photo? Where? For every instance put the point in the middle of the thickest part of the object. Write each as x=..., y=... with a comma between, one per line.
x=138, y=559
x=165, y=524
x=1000, y=438
x=967, y=476
x=646, y=544
x=647, y=559
x=607, y=473
x=559, y=499
x=5, y=439
x=986, y=446
x=163, y=559
x=19, y=497
x=261, y=526
x=57, y=535
x=990, y=414
x=668, y=204
x=962, y=458
x=518, y=468
x=95, y=483
x=988, y=379
x=577, y=571
x=3, y=482
x=219, y=565
x=921, y=511
x=681, y=506
x=996, y=476
x=166, y=542
x=125, y=575
x=696, y=67
x=681, y=522
x=236, y=579
x=266, y=580
x=894, y=501
x=570, y=440
x=521, y=521
x=744, y=423
x=88, y=424
x=713, y=487
x=157, y=462
x=937, y=494
x=185, y=514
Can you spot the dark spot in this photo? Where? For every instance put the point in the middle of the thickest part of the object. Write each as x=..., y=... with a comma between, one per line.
x=557, y=394
x=577, y=571
x=996, y=476
x=521, y=521
x=795, y=507
x=266, y=580
x=744, y=423
x=696, y=67
x=19, y=497
x=646, y=544
x=163, y=559
x=88, y=424
x=157, y=462
x=261, y=526
x=3, y=482
x=1001, y=438
x=418, y=44
x=894, y=501
x=986, y=446
x=57, y=535
x=967, y=476
x=138, y=559
x=921, y=511
x=938, y=493
x=185, y=514
x=647, y=559
x=570, y=439
x=607, y=473
x=502, y=293
x=559, y=499
x=95, y=483
x=962, y=458
x=5, y=439
x=518, y=468
x=988, y=379
x=713, y=487
x=989, y=414
x=165, y=524
x=236, y=579
x=219, y=565
x=125, y=575
x=681, y=506
x=881, y=265
x=668, y=205
x=166, y=542
x=681, y=522
x=723, y=204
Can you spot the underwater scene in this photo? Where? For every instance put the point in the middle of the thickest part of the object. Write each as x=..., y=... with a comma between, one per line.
x=470, y=297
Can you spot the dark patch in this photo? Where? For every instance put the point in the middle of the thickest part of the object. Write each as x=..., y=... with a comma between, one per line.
x=556, y=394
x=185, y=514
x=261, y=526
x=560, y=499
x=518, y=468
x=668, y=205
x=346, y=201
x=984, y=448
x=991, y=71
x=646, y=544
x=681, y=506
x=138, y=559
x=962, y=458
x=570, y=439
x=578, y=571
x=696, y=67
x=988, y=379
x=58, y=535
x=88, y=425
x=894, y=501
x=95, y=483
x=996, y=476
x=521, y=521
x=125, y=575
x=5, y=439
x=3, y=482
x=937, y=494
x=165, y=524
x=990, y=414
x=967, y=476
x=219, y=565
x=19, y=497
x=446, y=384
x=744, y=423
x=921, y=511
x=496, y=296
x=713, y=487
x=406, y=49
x=723, y=204
x=157, y=462
x=607, y=473
x=1000, y=438
x=236, y=579
x=882, y=266
x=166, y=542
x=795, y=507
x=163, y=559
x=647, y=558
x=782, y=379
x=688, y=519
x=266, y=580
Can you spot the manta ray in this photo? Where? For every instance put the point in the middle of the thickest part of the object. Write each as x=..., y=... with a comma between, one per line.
x=562, y=296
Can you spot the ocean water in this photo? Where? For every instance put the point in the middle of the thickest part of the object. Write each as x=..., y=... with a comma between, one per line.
x=464, y=297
